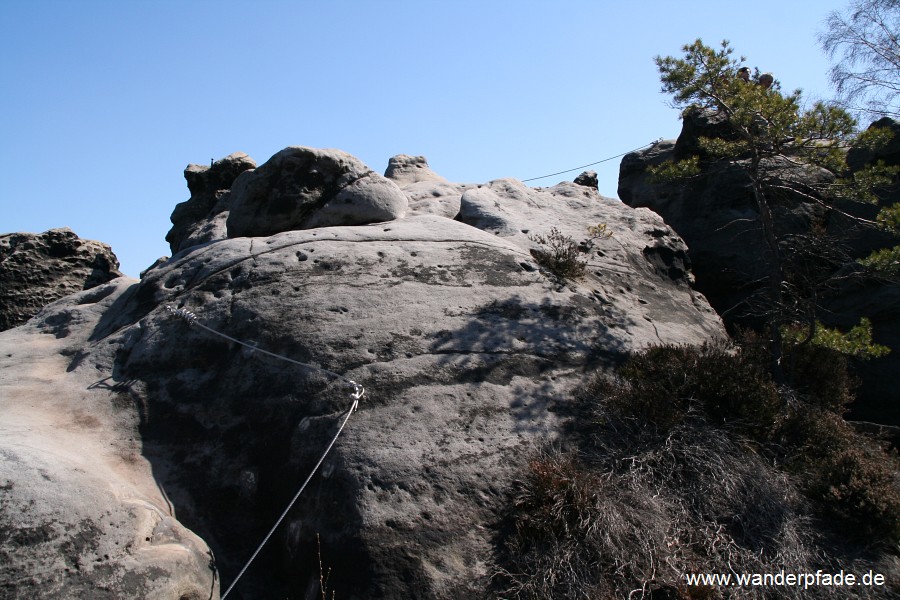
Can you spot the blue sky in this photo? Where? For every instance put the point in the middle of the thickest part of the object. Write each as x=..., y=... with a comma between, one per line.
x=104, y=103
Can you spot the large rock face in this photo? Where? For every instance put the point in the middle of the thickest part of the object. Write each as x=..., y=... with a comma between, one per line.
x=298, y=188
x=81, y=515
x=36, y=269
x=717, y=217
x=468, y=353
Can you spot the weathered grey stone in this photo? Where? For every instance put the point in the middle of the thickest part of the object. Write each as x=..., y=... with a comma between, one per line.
x=159, y=261
x=435, y=198
x=467, y=350
x=890, y=153
x=301, y=188
x=36, y=269
x=81, y=515
x=697, y=123
x=199, y=219
x=404, y=170
x=588, y=179
x=877, y=298
x=427, y=192
x=371, y=199
x=717, y=217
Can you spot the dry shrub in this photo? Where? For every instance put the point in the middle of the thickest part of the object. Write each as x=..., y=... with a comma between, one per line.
x=570, y=520
x=821, y=375
x=664, y=384
x=689, y=460
x=559, y=255
x=854, y=479
x=633, y=517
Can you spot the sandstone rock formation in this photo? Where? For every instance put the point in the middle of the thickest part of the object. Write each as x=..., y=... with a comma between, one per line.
x=298, y=188
x=197, y=219
x=81, y=515
x=303, y=188
x=718, y=219
x=36, y=269
x=588, y=179
x=873, y=297
x=716, y=215
x=426, y=191
x=467, y=350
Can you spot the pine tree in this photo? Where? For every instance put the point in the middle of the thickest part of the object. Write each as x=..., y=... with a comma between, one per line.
x=787, y=152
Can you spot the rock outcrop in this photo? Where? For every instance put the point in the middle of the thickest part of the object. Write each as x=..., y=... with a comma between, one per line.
x=36, y=269
x=427, y=192
x=304, y=188
x=717, y=217
x=81, y=515
x=197, y=219
x=588, y=179
x=873, y=297
x=468, y=353
x=298, y=188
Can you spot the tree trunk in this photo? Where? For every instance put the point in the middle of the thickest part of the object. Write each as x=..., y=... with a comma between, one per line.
x=775, y=317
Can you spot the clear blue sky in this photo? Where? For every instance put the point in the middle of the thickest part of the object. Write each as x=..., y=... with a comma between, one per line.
x=104, y=103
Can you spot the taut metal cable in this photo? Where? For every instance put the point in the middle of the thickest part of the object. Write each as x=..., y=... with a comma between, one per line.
x=593, y=163
x=191, y=319
x=356, y=395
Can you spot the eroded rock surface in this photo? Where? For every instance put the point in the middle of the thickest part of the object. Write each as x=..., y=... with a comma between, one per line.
x=427, y=192
x=199, y=219
x=36, y=269
x=468, y=352
x=81, y=514
x=716, y=216
x=588, y=179
x=303, y=188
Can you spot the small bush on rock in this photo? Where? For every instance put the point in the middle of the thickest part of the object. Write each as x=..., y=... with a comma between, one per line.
x=559, y=255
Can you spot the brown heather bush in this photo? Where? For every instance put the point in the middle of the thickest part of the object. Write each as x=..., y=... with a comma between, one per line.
x=628, y=521
x=821, y=375
x=662, y=385
x=689, y=460
x=855, y=479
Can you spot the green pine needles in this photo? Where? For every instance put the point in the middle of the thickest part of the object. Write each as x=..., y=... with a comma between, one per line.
x=768, y=128
x=856, y=343
x=787, y=151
